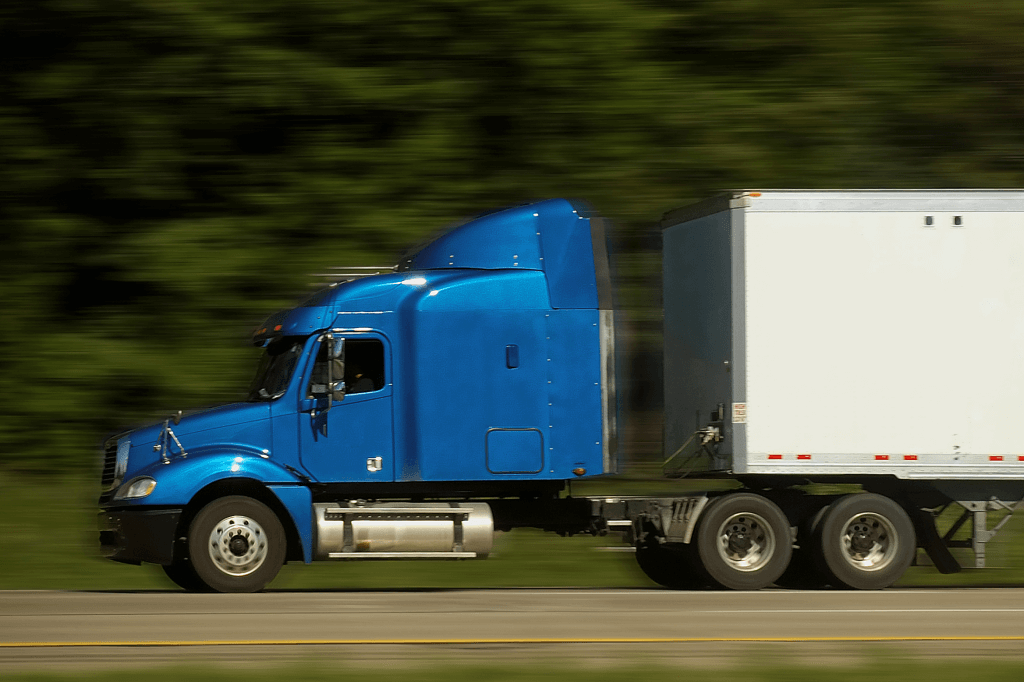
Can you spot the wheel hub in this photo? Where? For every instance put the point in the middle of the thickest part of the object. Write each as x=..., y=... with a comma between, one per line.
x=869, y=542
x=746, y=542
x=238, y=545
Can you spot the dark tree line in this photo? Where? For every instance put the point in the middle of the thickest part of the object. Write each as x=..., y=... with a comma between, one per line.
x=171, y=171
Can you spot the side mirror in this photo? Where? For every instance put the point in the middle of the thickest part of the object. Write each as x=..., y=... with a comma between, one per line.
x=335, y=368
x=337, y=385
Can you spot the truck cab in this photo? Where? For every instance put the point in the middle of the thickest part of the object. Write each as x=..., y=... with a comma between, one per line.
x=481, y=366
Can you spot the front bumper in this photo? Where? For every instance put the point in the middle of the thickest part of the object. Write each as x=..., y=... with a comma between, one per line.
x=132, y=536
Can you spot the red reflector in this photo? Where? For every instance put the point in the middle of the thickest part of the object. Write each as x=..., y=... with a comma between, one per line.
x=995, y=458
x=803, y=456
x=881, y=457
x=774, y=456
x=910, y=458
x=1020, y=458
x=277, y=328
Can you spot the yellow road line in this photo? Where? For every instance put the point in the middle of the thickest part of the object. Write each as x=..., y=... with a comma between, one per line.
x=530, y=640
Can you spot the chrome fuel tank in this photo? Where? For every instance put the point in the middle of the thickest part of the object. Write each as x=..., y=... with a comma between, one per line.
x=397, y=530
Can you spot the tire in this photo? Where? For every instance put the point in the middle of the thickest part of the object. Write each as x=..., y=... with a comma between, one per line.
x=184, y=576
x=672, y=568
x=866, y=542
x=804, y=571
x=236, y=544
x=743, y=541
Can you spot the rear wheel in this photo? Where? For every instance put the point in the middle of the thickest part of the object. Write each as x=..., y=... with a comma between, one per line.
x=743, y=541
x=236, y=544
x=866, y=541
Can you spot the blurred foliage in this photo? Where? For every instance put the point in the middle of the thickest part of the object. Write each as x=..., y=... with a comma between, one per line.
x=171, y=171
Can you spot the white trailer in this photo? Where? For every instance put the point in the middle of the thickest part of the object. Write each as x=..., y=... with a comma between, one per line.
x=870, y=337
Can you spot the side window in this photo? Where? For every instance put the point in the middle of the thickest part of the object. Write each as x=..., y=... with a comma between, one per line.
x=364, y=365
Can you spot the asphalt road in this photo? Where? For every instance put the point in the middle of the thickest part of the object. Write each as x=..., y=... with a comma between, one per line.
x=71, y=629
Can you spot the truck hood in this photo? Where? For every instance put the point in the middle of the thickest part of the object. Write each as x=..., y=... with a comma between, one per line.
x=206, y=420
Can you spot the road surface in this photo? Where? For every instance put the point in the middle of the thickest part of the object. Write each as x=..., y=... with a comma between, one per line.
x=115, y=629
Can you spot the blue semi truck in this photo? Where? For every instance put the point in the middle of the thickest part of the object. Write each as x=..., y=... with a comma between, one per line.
x=411, y=414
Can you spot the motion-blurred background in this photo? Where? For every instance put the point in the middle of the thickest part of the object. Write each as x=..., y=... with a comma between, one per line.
x=172, y=171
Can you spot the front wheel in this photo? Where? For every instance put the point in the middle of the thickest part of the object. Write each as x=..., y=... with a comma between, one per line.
x=184, y=575
x=744, y=541
x=866, y=541
x=236, y=544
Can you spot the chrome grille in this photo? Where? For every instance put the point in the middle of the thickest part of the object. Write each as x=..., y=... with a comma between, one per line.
x=109, y=462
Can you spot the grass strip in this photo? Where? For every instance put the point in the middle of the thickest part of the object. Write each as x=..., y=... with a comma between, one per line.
x=883, y=669
x=48, y=540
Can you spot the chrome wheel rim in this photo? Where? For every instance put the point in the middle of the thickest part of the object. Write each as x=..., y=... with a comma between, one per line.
x=869, y=542
x=238, y=545
x=745, y=542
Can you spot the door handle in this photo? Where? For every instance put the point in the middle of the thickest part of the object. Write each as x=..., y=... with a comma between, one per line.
x=374, y=463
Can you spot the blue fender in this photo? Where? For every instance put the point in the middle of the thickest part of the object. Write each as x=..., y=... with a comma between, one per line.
x=178, y=481
x=298, y=500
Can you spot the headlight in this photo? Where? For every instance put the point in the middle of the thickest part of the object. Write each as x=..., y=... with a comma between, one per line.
x=136, y=488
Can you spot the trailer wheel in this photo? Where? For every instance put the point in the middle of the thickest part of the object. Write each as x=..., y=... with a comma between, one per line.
x=866, y=541
x=184, y=576
x=743, y=541
x=236, y=544
x=672, y=568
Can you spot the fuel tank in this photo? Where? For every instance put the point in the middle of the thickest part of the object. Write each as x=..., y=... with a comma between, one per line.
x=397, y=530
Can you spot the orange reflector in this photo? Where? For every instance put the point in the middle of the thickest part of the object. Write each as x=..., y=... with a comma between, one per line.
x=579, y=471
x=910, y=458
x=803, y=456
x=882, y=457
x=755, y=194
x=995, y=458
x=774, y=456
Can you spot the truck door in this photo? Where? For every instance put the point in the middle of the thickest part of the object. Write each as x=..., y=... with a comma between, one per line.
x=353, y=440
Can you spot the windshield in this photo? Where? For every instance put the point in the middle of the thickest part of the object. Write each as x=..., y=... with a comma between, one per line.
x=275, y=369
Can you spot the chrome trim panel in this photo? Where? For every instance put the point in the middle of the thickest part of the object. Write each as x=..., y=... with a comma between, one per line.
x=609, y=397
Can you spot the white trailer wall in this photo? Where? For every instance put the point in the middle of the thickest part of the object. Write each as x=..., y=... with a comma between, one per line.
x=871, y=339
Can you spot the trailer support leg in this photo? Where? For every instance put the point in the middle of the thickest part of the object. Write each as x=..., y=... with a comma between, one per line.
x=935, y=546
x=980, y=533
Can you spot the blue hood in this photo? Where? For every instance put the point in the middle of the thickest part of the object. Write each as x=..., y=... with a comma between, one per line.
x=238, y=426
x=212, y=418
